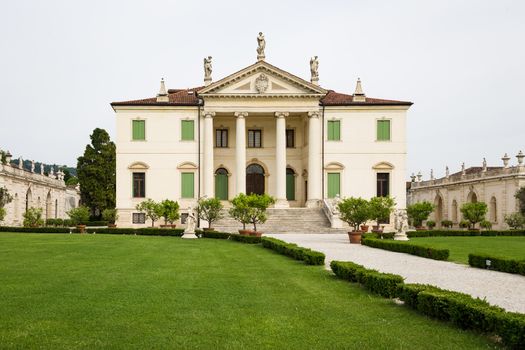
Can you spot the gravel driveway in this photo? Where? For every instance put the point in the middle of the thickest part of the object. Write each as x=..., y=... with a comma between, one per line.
x=498, y=288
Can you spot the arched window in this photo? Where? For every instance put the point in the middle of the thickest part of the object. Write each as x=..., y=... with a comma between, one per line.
x=56, y=208
x=221, y=184
x=472, y=197
x=290, y=184
x=454, y=211
x=29, y=199
x=493, y=212
x=48, y=205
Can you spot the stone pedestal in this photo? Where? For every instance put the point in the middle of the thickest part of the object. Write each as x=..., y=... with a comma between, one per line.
x=189, y=235
x=401, y=236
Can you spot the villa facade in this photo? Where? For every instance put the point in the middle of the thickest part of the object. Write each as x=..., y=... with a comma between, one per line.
x=258, y=130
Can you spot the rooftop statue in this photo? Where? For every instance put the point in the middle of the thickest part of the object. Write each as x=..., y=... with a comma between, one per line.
x=261, y=44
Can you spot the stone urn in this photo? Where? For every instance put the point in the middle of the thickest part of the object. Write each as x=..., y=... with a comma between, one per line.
x=355, y=237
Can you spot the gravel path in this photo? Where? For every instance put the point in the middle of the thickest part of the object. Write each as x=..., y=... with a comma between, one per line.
x=499, y=288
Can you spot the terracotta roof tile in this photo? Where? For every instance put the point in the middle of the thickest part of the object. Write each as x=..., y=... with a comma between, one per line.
x=333, y=98
x=177, y=97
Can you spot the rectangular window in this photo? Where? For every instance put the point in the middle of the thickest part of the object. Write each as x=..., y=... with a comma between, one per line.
x=187, y=185
x=139, y=218
x=139, y=185
x=221, y=138
x=187, y=130
x=254, y=138
x=334, y=130
x=334, y=185
x=139, y=130
x=383, y=130
x=383, y=184
x=290, y=138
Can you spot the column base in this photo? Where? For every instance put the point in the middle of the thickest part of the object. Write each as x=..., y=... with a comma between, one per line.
x=281, y=204
x=313, y=203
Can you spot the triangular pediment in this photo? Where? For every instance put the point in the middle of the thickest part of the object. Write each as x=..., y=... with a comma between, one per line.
x=262, y=78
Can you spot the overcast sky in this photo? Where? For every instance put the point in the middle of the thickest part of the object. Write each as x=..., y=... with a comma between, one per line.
x=460, y=62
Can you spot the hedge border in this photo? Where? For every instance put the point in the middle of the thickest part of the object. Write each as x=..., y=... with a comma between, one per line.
x=445, y=233
x=409, y=248
x=310, y=257
x=497, y=263
x=245, y=238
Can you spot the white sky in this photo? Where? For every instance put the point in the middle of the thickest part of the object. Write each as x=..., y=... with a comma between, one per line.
x=460, y=62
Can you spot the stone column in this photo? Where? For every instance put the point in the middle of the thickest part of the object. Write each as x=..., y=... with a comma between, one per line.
x=314, y=160
x=240, y=152
x=280, y=160
x=207, y=164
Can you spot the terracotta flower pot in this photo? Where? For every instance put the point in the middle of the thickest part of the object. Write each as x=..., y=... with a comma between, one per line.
x=244, y=232
x=364, y=228
x=256, y=233
x=112, y=225
x=81, y=228
x=355, y=237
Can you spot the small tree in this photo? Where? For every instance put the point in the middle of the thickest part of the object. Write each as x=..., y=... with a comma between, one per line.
x=79, y=215
x=2, y=214
x=210, y=210
x=240, y=210
x=33, y=217
x=5, y=198
x=110, y=215
x=431, y=224
x=515, y=220
x=419, y=212
x=354, y=211
x=487, y=225
x=474, y=212
x=170, y=211
x=381, y=208
x=257, y=205
x=152, y=209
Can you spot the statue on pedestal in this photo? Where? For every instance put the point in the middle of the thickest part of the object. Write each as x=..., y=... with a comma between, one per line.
x=191, y=224
x=261, y=45
x=207, y=69
x=314, y=69
x=32, y=166
x=401, y=225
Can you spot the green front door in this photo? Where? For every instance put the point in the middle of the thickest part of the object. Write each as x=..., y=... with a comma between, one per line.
x=334, y=185
x=221, y=184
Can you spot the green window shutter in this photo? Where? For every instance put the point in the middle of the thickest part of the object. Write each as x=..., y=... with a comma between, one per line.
x=383, y=130
x=139, y=130
x=221, y=187
x=334, y=185
x=187, y=130
x=290, y=187
x=330, y=130
x=187, y=185
x=337, y=130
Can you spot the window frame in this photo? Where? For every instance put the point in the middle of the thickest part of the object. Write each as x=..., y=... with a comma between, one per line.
x=143, y=184
x=138, y=221
x=260, y=138
x=378, y=182
x=328, y=173
x=333, y=121
x=133, y=139
x=222, y=130
x=192, y=121
x=182, y=193
x=292, y=132
x=378, y=122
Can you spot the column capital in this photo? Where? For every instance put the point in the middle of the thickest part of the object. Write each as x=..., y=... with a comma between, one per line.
x=313, y=114
x=209, y=114
x=281, y=114
x=241, y=114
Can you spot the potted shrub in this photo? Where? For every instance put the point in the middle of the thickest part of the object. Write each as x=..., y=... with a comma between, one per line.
x=419, y=212
x=239, y=211
x=152, y=209
x=463, y=224
x=446, y=223
x=485, y=224
x=170, y=212
x=110, y=215
x=380, y=210
x=431, y=224
x=257, y=205
x=79, y=217
x=515, y=220
x=355, y=212
x=474, y=213
x=210, y=210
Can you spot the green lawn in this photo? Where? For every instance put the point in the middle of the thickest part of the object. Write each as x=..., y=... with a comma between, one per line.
x=109, y=291
x=460, y=247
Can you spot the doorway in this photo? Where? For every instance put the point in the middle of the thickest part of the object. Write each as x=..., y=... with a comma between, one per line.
x=254, y=179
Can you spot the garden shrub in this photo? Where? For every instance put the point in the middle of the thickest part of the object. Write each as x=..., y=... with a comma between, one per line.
x=445, y=233
x=97, y=223
x=385, y=284
x=409, y=248
x=245, y=239
x=497, y=263
x=215, y=234
x=307, y=255
x=34, y=229
x=447, y=223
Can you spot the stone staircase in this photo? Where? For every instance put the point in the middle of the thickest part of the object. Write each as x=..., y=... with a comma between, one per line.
x=290, y=220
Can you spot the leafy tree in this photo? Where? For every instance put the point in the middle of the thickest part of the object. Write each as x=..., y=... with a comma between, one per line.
x=515, y=220
x=431, y=224
x=354, y=211
x=79, y=215
x=110, y=215
x=487, y=225
x=381, y=208
x=33, y=217
x=257, y=205
x=240, y=210
x=210, y=210
x=170, y=211
x=2, y=214
x=5, y=197
x=152, y=209
x=419, y=212
x=520, y=196
x=72, y=181
x=96, y=173
x=474, y=212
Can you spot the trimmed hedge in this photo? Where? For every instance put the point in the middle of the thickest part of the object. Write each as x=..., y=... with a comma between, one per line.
x=409, y=248
x=497, y=263
x=215, y=234
x=97, y=223
x=35, y=229
x=245, y=239
x=310, y=257
x=384, y=284
x=465, y=312
x=444, y=233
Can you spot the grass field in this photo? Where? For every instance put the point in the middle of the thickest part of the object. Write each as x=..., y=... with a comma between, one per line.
x=105, y=291
x=461, y=247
